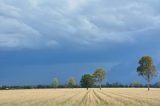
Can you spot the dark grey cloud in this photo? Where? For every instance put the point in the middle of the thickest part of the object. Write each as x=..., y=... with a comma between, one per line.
x=89, y=23
x=48, y=38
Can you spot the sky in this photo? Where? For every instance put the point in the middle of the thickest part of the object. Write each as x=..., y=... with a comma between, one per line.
x=45, y=39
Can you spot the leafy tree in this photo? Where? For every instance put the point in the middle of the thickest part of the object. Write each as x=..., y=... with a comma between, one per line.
x=71, y=82
x=135, y=84
x=146, y=69
x=87, y=81
x=99, y=75
x=55, y=83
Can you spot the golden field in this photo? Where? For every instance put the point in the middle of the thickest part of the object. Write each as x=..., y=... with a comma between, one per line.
x=81, y=97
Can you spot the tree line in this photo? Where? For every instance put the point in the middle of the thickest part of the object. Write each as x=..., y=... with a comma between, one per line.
x=146, y=69
x=134, y=84
x=87, y=80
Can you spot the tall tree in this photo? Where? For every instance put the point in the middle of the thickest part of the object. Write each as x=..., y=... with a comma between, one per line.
x=55, y=83
x=87, y=81
x=99, y=75
x=146, y=69
x=71, y=82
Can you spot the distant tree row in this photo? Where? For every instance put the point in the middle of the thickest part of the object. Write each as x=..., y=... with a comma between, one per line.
x=71, y=83
x=134, y=84
x=87, y=80
x=146, y=69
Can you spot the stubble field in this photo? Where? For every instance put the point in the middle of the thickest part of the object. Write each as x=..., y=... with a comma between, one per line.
x=81, y=97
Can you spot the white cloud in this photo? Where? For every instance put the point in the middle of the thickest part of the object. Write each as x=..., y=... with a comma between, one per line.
x=73, y=5
x=9, y=10
x=45, y=23
x=17, y=34
x=51, y=43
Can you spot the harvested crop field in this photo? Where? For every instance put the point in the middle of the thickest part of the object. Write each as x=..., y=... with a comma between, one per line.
x=81, y=97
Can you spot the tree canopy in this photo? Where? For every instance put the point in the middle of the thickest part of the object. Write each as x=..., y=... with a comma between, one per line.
x=71, y=82
x=99, y=75
x=146, y=69
x=87, y=81
x=135, y=84
x=55, y=83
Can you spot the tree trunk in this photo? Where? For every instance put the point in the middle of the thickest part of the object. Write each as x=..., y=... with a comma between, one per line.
x=100, y=86
x=148, y=82
x=148, y=85
x=87, y=88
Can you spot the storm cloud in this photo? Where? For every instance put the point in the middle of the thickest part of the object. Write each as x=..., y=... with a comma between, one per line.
x=71, y=36
x=48, y=24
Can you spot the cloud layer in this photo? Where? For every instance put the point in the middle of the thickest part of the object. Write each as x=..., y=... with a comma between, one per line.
x=51, y=24
x=42, y=39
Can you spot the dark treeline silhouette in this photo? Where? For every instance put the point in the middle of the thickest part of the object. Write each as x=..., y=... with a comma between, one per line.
x=107, y=85
x=119, y=85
